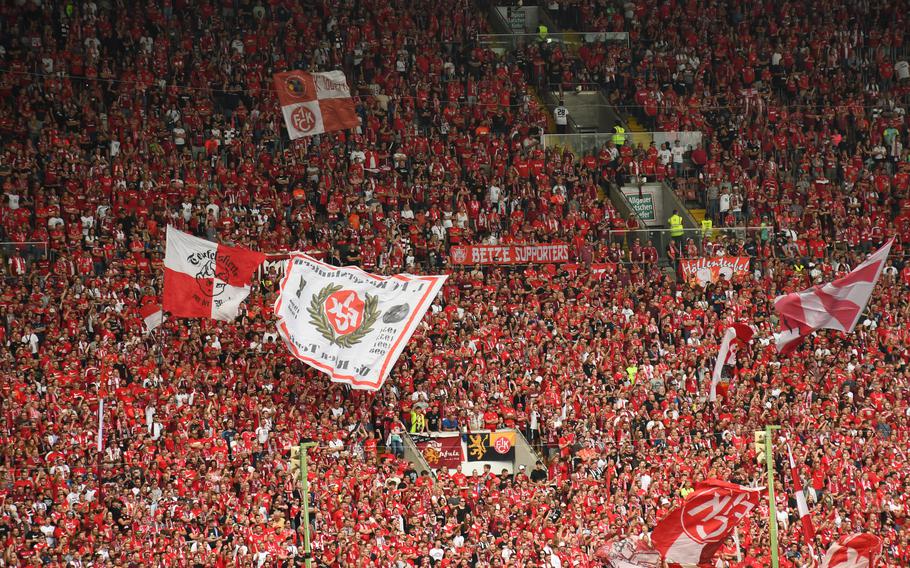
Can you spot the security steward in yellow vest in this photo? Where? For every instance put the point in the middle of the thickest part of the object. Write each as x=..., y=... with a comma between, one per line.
x=676, y=229
x=619, y=135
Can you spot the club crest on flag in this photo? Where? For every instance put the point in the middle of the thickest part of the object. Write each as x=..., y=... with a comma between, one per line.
x=303, y=119
x=433, y=453
x=502, y=445
x=341, y=316
x=708, y=517
x=459, y=255
x=295, y=86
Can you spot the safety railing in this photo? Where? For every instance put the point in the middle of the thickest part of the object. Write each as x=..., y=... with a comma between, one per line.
x=571, y=39
x=25, y=248
x=413, y=454
x=588, y=143
x=693, y=243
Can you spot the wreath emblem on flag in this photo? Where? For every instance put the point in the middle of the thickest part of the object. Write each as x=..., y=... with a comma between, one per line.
x=340, y=315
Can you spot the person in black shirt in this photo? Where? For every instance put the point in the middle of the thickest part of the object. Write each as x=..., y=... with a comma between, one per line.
x=539, y=473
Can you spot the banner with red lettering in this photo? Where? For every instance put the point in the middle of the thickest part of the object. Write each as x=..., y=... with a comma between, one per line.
x=440, y=450
x=704, y=270
x=509, y=254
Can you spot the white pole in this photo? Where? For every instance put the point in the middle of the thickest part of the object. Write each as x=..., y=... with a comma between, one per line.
x=100, y=424
x=739, y=553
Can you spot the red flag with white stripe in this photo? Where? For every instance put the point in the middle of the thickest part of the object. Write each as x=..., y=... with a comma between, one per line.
x=152, y=316
x=313, y=103
x=804, y=517
x=739, y=332
x=203, y=279
x=836, y=305
x=693, y=533
x=860, y=550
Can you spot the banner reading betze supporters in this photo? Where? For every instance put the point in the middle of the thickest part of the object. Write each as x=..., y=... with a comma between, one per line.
x=313, y=103
x=509, y=254
x=440, y=450
x=705, y=270
x=347, y=323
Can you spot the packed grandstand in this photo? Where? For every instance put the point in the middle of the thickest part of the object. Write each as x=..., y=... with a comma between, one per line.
x=121, y=118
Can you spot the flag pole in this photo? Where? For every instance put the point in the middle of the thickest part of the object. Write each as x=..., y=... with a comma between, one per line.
x=772, y=502
x=305, y=481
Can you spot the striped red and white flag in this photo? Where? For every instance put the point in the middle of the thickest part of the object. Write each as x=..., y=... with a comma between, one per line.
x=693, y=533
x=836, y=305
x=203, y=279
x=742, y=334
x=801, y=505
x=152, y=316
x=860, y=550
x=314, y=103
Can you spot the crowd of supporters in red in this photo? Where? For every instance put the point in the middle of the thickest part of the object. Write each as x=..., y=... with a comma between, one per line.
x=118, y=118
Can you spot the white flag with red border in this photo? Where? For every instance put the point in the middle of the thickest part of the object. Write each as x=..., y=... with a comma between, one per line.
x=742, y=334
x=203, y=279
x=693, y=533
x=837, y=305
x=314, y=103
x=347, y=323
x=860, y=550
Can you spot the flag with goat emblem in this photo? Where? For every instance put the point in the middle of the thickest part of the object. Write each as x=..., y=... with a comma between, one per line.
x=347, y=323
x=203, y=279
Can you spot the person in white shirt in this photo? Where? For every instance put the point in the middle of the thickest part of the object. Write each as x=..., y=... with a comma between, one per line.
x=679, y=154
x=12, y=200
x=494, y=192
x=665, y=155
x=179, y=136
x=437, y=553
x=561, y=117
x=31, y=340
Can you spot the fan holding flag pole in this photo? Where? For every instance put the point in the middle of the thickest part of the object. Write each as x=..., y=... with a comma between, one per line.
x=736, y=334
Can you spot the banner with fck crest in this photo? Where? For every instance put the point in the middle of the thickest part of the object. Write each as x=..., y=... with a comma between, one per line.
x=347, y=323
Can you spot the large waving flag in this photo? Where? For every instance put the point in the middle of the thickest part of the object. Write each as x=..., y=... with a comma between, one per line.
x=347, y=323
x=739, y=332
x=313, y=103
x=836, y=305
x=692, y=533
x=854, y=551
x=203, y=279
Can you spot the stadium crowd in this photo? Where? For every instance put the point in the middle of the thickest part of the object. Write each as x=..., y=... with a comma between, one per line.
x=119, y=118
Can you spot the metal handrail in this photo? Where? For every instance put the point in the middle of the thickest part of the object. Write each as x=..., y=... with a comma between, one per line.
x=43, y=244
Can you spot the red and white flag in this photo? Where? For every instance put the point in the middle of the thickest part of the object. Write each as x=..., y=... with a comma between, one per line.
x=804, y=517
x=152, y=316
x=836, y=305
x=313, y=103
x=203, y=279
x=860, y=550
x=694, y=532
x=742, y=334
